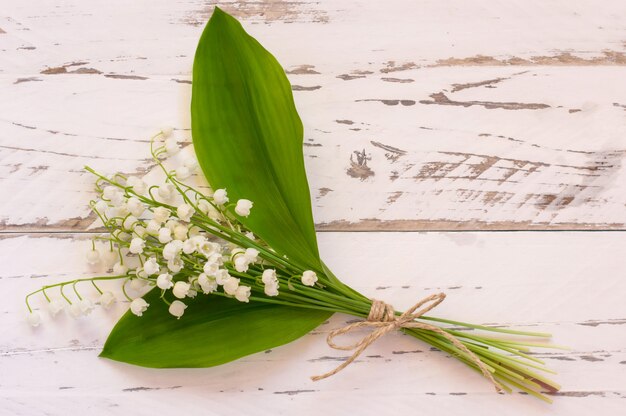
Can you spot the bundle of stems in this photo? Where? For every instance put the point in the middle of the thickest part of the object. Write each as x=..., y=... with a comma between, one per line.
x=209, y=217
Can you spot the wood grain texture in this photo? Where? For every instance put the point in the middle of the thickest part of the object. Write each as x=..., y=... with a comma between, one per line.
x=515, y=279
x=429, y=115
x=432, y=115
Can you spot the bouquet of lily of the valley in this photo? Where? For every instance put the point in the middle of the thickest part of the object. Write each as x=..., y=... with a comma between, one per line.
x=233, y=269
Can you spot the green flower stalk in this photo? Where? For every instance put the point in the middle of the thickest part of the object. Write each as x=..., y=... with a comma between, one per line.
x=183, y=243
x=215, y=274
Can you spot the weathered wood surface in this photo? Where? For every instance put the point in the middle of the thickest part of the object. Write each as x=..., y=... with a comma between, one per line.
x=433, y=115
x=568, y=283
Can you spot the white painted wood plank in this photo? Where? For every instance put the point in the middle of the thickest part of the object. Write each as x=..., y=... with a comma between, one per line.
x=567, y=283
x=472, y=116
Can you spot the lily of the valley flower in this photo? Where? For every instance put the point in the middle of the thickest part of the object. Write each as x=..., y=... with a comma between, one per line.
x=55, y=306
x=180, y=232
x=106, y=299
x=181, y=289
x=270, y=282
x=207, y=284
x=165, y=235
x=166, y=191
x=93, y=257
x=86, y=306
x=185, y=212
x=109, y=257
x=172, y=249
x=119, y=269
x=243, y=207
x=166, y=131
x=151, y=266
x=161, y=214
x=33, y=319
x=164, y=281
x=220, y=196
x=137, y=185
x=242, y=294
x=171, y=146
x=309, y=278
x=183, y=172
x=137, y=245
x=230, y=285
x=139, y=306
x=135, y=206
x=177, y=308
x=175, y=265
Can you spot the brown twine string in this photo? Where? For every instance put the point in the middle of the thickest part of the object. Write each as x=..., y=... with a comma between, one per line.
x=382, y=319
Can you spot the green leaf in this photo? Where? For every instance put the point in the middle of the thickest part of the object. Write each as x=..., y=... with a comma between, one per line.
x=214, y=330
x=248, y=136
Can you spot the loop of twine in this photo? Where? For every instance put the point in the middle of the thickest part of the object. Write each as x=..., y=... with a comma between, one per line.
x=382, y=319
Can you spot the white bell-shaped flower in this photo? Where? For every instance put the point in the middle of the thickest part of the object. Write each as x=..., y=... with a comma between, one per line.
x=221, y=276
x=86, y=306
x=180, y=232
x=269, y=277
x=203, y=206
x=183, y=172
x=309, y=278
x=107, y=299
x=153, y=227
x=56, y=306
x=33, y=319
x=211, y=268
x=243, y=207
x=164, y=281
x=135, y=206
x=166, y=131
x=75, y=310
x=208, y=284
x=101, y=206
x=191, y=163
x=172, y=249
x=109, y=257
x=242, y=294
x=230, y=285
x=175, y=265
x=185, y=212
x=251, y=254
x=271, y=289
x=129, y=221
x=137, y=185
x=119, y=269
x=166, y=191
x=181, y=289
x=139, y=306
x=171, y=146
x=165, y=235
x=189, y=246
x=137, y=284
x=241, y=263
x=220, y=196
x=137, y=245
x=151, y=266
x=177, y=308
x=93, y=257
x=161, y=214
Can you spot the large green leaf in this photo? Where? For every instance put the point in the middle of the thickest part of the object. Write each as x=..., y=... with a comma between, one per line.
x=213, y=331
x=248, y=136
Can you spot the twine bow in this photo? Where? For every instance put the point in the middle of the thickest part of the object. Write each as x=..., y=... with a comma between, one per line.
x=382, y=319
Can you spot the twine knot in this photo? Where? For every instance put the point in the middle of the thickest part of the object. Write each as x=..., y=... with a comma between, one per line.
x=383, y=318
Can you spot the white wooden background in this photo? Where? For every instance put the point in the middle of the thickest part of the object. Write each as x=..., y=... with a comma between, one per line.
x=468, y=118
